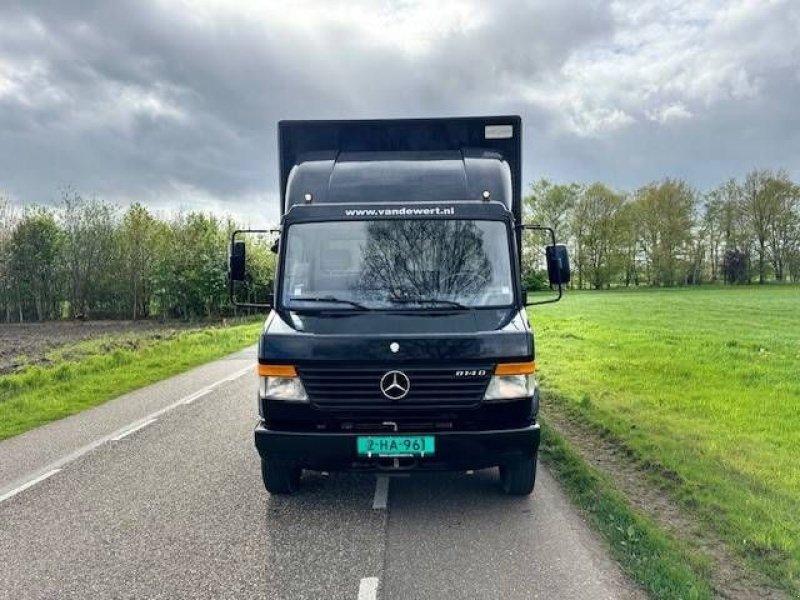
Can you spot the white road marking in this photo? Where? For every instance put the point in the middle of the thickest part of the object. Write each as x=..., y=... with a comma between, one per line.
x=381, y=493
x=368, y=589
x=196, y=395
x=30, y=479
x=133, y=429
x=28, y=484
x=210, y=388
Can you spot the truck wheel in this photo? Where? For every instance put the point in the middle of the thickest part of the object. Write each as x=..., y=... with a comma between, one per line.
x=280, y=477
x=518, y=477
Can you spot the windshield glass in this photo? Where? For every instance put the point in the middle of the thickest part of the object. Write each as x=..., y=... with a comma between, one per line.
x=413, y=264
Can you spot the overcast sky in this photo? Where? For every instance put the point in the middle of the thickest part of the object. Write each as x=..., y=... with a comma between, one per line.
x=175, y=103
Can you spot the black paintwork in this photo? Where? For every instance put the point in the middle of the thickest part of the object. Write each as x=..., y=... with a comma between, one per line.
x=454, y=449
x=474, y=336
x=399, y=177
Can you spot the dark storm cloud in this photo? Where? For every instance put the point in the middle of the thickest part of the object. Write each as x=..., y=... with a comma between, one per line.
x=176, y=103
x=132, y=98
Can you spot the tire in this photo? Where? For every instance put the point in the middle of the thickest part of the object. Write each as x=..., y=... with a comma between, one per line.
x=519, y=477
x=280, y=477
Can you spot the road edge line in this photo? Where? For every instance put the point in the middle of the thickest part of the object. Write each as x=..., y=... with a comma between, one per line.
x=133, y=429
x=28, y=484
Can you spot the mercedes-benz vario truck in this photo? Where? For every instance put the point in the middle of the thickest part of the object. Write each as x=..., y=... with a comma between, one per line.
x=398, y=338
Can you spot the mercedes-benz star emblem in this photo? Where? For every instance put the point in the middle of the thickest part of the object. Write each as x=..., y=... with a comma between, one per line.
x=395, y=385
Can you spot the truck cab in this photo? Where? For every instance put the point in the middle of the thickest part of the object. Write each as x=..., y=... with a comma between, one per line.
x=398, y=338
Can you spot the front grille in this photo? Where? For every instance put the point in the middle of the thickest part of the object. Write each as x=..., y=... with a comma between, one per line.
x=338, y=387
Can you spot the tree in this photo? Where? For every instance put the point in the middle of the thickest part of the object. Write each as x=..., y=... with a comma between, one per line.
x=137, y=239
x=630, y=246
x=599, y=231
x=35, y=251
x=735, y=267
x=666, y=216
x=724, y=224
x=8, y=219
x=759, y=200
x=90, y=253
x=191, y=269
x=551, y=204
x=783, y=229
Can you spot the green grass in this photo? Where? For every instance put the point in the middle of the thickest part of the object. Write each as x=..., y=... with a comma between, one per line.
x=704, y=383
x=662, y=564
x=89, y=373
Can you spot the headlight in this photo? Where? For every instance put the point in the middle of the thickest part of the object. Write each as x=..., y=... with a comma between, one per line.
x=511, y=381
x=280, y=382
x=289, y=389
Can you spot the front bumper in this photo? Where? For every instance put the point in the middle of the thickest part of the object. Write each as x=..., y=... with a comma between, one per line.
x=455, y=450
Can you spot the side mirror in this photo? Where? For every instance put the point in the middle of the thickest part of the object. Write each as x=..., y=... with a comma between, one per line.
x=274, y=247
x=236, y=261
x=557, y=260
x=242, y=285
x=558, y=271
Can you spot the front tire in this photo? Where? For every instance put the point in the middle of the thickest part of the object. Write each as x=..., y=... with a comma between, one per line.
x=280, y=477
x=519, y=477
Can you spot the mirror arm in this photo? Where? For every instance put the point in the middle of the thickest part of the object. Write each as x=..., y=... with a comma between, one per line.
x=549, y=301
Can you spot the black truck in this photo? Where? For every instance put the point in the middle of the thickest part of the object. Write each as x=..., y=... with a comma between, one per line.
x=398, y=337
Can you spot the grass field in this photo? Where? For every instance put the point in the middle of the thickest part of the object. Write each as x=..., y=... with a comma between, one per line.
x=83, y=374
x=704, y=383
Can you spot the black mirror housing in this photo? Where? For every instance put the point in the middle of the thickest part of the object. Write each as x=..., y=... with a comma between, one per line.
x=558, y=271
x=237, y=272
x=236, y=261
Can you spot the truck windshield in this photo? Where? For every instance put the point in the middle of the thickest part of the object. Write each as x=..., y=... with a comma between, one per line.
x=409, y=264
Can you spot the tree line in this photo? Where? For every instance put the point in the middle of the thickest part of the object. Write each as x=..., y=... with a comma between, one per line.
x=87, y=258
x=668, y=234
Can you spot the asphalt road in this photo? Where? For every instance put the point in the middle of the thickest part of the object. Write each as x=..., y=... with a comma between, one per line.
x=157, y=494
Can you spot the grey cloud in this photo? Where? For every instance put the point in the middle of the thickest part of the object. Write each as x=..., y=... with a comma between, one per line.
x=146, y=100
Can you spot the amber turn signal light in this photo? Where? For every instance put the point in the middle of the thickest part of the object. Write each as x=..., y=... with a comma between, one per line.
x=276, y=371
x=521, y=368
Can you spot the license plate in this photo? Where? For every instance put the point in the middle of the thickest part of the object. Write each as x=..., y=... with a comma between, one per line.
x=396, y=445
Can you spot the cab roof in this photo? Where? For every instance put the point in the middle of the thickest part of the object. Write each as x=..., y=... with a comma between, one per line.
x=401, y=160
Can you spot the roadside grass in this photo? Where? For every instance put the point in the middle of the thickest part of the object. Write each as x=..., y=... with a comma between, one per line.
x=89, y=373
x=662, y=564
x=705, y=385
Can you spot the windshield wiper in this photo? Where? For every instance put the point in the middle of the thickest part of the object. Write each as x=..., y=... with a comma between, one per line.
x=330, y=299
x=443, y=301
